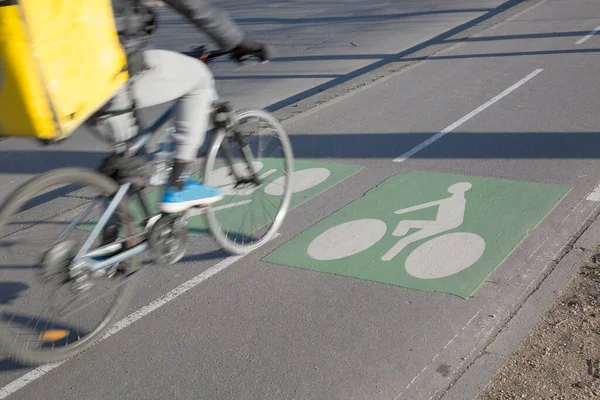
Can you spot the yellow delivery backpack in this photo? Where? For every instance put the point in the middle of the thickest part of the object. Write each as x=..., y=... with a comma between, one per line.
x=60, y=61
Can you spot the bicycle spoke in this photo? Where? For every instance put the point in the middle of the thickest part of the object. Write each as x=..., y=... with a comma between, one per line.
x=248, y=227
x=44, y=316
x=241, y=230
x=101, y=297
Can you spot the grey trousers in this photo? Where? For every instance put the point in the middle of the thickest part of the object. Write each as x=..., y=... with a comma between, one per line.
x=170, y=76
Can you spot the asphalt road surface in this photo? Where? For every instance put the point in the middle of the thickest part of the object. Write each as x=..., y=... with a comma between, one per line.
x=457, y=146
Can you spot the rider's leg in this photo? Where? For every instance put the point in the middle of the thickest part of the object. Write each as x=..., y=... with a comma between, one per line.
x=181, y=192
x=173, y=76
x=405, y=241
x=406, y=225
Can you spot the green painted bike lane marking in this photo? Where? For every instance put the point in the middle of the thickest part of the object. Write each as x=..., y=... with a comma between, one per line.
x=310, y=178
x=424, y=231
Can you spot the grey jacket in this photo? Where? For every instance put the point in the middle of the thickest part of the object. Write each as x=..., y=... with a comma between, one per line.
x=212, y=21
x=135, y=23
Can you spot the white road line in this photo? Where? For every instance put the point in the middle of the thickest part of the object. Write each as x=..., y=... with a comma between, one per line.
x=199, y=211
x=172, y=295
x=467, y=117
x=438, y=354
x=26, y=379
x=586, y=37
x=595, y=195
x=125, y=322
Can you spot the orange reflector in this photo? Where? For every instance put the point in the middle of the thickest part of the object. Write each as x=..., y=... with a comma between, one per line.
x=53, y=335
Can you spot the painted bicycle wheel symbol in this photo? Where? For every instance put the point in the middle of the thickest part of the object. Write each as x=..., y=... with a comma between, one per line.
x=439, y=257
x=301, y=180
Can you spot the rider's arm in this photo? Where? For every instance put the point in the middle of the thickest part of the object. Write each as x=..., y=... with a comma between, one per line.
x=419, y=207
x=212, y=21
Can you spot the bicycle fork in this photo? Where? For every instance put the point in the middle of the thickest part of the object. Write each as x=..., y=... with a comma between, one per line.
x=223, y=117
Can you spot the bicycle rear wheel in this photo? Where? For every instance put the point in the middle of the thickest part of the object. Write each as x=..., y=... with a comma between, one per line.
x=47, y=315
x=253, y=165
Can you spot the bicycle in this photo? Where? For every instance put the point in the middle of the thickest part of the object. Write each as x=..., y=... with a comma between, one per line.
x=104, y=249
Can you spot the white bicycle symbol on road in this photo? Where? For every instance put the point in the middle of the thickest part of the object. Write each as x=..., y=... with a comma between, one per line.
x=301, y=180
x=439, y=257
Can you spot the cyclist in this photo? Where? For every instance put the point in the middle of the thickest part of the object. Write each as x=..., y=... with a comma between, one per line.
x=160, y=76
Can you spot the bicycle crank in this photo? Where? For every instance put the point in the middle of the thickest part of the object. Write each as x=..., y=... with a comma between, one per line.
x=169, y=239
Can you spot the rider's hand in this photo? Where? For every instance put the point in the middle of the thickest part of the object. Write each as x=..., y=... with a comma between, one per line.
x=248, y=49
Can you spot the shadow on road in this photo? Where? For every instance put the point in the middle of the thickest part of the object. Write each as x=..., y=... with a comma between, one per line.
x=10, y=291
x=503, y=54
x=519, y=37
x=213, y=255
x=7, y=365
x=564, y=145
x=43, y=160
x=337, y=19
x=465, y=145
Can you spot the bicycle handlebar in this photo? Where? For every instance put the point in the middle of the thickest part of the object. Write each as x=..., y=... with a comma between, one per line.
x=207, y=56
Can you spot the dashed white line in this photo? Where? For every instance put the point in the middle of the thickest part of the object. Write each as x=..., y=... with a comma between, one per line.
x=538, y=248
x=125, y=322
x=586, y=37
x=438, y=354
x=467, y=117
x=172, y=295
x=26, y=379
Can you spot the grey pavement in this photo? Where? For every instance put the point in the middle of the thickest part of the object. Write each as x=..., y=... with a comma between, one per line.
x=264, y=331
x=315, y=44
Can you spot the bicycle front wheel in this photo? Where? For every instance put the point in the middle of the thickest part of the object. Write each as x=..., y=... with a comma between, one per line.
x=253, y=164
x=47, y=315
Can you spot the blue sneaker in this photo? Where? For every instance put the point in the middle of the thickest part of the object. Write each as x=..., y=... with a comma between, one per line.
x=193, y=194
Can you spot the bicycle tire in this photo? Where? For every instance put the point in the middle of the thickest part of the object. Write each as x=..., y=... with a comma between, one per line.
x=12, y=204
x=211, y=216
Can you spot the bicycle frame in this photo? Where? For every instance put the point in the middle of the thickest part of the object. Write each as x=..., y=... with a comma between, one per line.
x=223, y=122
x=99, y=240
